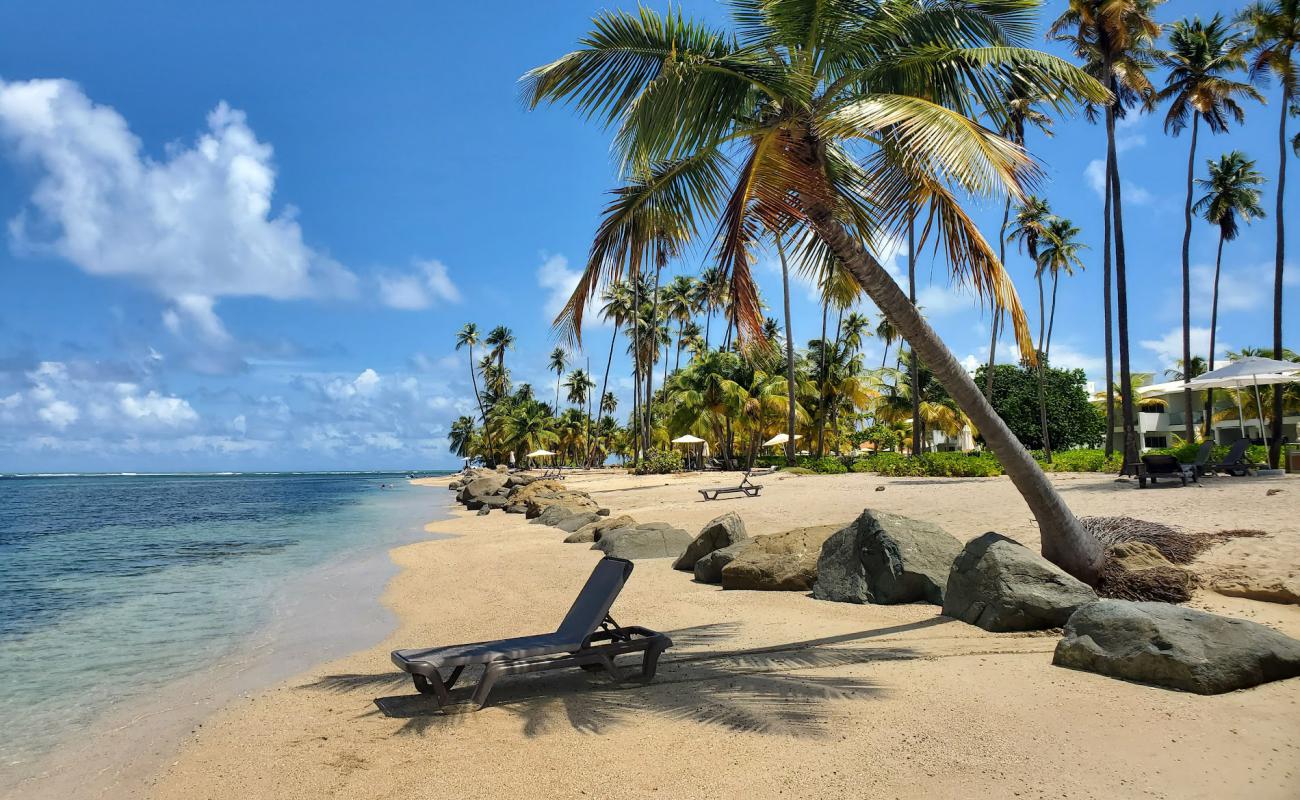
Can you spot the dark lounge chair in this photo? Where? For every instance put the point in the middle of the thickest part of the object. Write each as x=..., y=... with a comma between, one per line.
x=1204, y=455
x=746, y=487
x=1236, y=462
x=588, y=637
x=1156, y=465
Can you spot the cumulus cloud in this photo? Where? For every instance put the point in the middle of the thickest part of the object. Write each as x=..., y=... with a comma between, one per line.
x=1095, y=174
x=1169, y=348
x=64, y=400
x=1242, y=287
x=558, y=281
x=430, y=283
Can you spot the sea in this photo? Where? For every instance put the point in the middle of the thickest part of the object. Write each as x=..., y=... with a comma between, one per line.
x=118, y=591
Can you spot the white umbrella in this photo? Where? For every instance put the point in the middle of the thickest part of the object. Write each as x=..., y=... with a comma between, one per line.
x=537, y=453
x=781, y=438
x=1251, y=371
x=688, y=439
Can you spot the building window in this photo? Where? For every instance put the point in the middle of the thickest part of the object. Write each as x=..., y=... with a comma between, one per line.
x=1157, y=440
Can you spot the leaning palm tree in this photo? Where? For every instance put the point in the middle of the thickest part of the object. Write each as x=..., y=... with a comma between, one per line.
x=1116, y=41
x=558, y=363
x=1231, y=193
x=461, y=436
x=467, y=337
x=1201, y=58
x=835, y=123
x=1275, y=39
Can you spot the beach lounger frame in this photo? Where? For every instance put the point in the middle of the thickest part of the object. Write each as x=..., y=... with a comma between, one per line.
x=746, y=487
x=588, y=638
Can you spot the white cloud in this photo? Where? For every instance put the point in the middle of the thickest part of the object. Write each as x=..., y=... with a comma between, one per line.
x=53, y=396
x=430, y=283
x=1130, y=192
x=359, y=387
x=59, y=414
x=555, y=277
x=1169, y=348
x=1246, y=287
x=1064, y=356
x=154, y=408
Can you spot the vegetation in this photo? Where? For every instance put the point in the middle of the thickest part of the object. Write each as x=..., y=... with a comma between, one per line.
x=1072, y=420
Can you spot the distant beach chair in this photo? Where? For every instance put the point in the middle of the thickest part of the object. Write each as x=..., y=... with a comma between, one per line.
x=1156, y=465
x=746, y=487
x=588, y=637
x=553, y=474
x=1236, y=461
x=1203, y=457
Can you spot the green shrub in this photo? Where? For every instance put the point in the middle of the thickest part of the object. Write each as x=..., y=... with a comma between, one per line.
x=935, y=465
x=657, y=462
x=798, y=471
x=828, y=465
x=1186, y=453
x=1082, y=460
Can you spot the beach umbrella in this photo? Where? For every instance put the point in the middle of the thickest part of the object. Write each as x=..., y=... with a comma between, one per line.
x=1251, y=371
x=538, y=453
x=781, y=438
x=691, y=440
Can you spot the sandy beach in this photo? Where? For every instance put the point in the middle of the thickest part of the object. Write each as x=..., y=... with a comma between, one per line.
x=767, y=694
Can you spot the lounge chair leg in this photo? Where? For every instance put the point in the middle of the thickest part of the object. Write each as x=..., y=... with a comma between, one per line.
x=436, y=687
x=650, y=663
x=484, y=688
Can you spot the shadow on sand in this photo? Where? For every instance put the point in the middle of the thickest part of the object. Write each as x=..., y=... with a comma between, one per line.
x=750, y=690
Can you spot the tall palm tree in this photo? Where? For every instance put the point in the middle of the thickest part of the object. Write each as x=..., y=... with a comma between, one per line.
x=1231, y=193
x=886, y=333
x=789, y=355
x=558, y=363
x=1200, y=58
x=1032, y=227
x=461, y=436
x=500, y=339
x=467, y=337
x=1275, y=39
x=1059, y=252
x=1116, y=41
x=680, y=307
x=806, y=107
x=713, y=294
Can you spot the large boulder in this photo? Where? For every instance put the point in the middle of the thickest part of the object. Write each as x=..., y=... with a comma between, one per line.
x=785, y=562
x=1175, y=647
x=574, y=501
x=885, y=558
x=480, y=488
x=494, y=501
x=643, y=541
x=521, y=480
x=521, y=494
x=1000, y=585
x=717, y=533
x=709, y=568
x=592, y=531
x=552, y=515
x=577, y=520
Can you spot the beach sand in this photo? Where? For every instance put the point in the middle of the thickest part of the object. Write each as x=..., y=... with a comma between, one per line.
x=766, y=695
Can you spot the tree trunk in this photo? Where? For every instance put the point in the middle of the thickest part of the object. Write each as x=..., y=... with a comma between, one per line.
x=789, y=357
x=1042, y=319
x=1121, y=303
x=478, y=398
x=1275, y=446
x=1214, y=322
x=654, y=351
x=1189, y=426
x=1051, y=320
x=996, y=322
x=914, y=368
x=1064, y=541
x=637, y=443
x=1108, y=319
x=884, y=356
x=821, y=385
x=677, y=363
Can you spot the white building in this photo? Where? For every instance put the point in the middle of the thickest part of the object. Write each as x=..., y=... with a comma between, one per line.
x=1158, y=423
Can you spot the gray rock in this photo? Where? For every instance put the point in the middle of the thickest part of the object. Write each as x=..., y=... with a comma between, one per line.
x=1175, y=647
x=885, y=558
x=592, y=531
x=604, y=512
x=480, y=488
x=641, y=542
x=709, y=568
x=483, y=512
x=782, y=562
x=553, y=515
x=494, y=501
x=720, y=532
x=578, y=520
x=1000, y=585
x=520, y=480
x=516, y=508
x=574, y=500
x=584, y=535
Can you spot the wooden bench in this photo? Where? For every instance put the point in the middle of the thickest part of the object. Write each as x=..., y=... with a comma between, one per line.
x=746, y=488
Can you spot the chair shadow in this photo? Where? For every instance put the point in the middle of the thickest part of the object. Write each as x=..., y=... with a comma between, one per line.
x=744, y=690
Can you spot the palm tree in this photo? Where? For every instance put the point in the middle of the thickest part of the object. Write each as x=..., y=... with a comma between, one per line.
x=461, y=437
x=811, y=105
x=680, y=306
x=579, y=386
x=529, y=427
x=1115, y=39
x=1230, y=193
x=1031, y=227
x=467, y=337
x=500, y=340
x=1275, y=38
x=1059, y=252
x=558, y=363
x=789, y=355
x=1200, y=59
x=886, y=333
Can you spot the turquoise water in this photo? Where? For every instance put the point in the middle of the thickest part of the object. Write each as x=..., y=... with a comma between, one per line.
x=112, y=587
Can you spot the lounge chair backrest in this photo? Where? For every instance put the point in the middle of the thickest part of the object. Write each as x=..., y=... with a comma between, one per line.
x=1161, y=463
x=595, y=599
x=1235, y=452
x=1203, y=453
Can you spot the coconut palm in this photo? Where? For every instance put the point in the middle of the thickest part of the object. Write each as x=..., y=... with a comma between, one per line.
x=558, y=363
x=1116, y=41
x=461, y=436
x=499, y=340
x=1032, y=227
x=1275, y=39
x=579, y=386
x=1201, y=58
x=529, y=427
x=806, y=106
x=886, y=333
x=680, y=307
x=1231, y=193
x=1059, y=252
x=789, y=354
x=467, y=337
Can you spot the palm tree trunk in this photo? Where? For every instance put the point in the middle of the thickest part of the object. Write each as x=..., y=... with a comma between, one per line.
x=1189, y=425
x=1064, y=541
x=996, y=323
x=821, y=384
x=1214, y=323
x=1275, y=446
x=1108, y=321
x=884, y=356
x=789, y=356
x=654, y=350
x=1121, y=302
x=918, y=437
x=1042, y=393
x=478, y=398
x=1051, y=319
x=587, y=388
x=637, y=441
x=677, y=363
x=558, y=376
x=604, y=383
x=708, y=323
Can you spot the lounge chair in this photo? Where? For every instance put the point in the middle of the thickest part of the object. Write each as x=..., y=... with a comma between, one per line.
x=553, y=474
x=1236, y=462
x=1203, y=457
x=745, y=487
x=1155, y=465
x=588, y=637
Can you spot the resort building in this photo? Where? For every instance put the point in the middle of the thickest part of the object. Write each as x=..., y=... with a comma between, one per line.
x=1162, y=418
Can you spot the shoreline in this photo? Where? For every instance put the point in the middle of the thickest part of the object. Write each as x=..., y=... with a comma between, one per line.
x=131, y=746
x=795, y=696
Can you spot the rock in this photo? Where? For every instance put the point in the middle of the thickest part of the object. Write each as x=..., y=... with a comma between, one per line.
x=521, y=494
x=784, y=562
x=573, y=500
x=576, y=521
x=521, y=480
x=1272, y=492
x=886, y=558
x=604, y=512
x=455, y=485
x=716, y=534
x=479, y=488
x=880, y=488
x=1264, y=588
x=1000, y=585
x=494, y=501
x=601, y=526
x=503, y=469
x=553, y=515
x=516, y=508
x=641, y=542
x=483, y=512
x=474, y=504
x=1175, y=647
x=584, y=535
x=709, y=568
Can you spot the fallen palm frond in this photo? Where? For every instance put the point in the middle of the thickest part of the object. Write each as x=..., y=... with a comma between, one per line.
x=1176, y=545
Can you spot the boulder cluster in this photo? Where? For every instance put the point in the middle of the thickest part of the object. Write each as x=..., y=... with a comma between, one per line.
x=991, y=581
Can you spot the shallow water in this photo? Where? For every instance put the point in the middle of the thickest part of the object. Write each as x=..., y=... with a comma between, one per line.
x=113, y=588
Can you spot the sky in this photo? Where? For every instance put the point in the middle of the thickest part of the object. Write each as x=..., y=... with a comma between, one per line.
x=242, y=236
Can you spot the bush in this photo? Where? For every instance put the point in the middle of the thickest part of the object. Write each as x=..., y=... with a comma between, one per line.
x=657, y=462
x=798, y=471
x=827, y=465
x=1081, y=461
x=934, y=465
x=1186, y=453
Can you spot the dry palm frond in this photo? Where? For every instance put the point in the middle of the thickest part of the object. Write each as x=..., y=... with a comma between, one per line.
x=1177, y=546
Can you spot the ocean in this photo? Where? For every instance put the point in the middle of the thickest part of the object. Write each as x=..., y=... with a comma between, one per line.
x=114, y=588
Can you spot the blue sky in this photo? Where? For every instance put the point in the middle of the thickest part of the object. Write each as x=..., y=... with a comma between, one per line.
x=242, y=236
